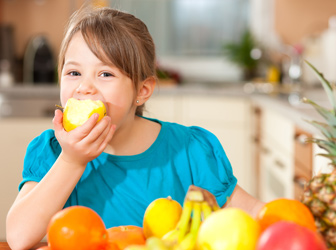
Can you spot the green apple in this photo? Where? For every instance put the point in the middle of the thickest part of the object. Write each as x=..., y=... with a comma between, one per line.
x=76, y=112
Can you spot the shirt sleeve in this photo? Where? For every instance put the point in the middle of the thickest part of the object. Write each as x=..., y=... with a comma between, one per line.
x=211, y=169
x=40, y=156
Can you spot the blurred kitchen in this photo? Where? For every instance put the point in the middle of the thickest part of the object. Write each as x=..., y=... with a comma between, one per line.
x=234, y=67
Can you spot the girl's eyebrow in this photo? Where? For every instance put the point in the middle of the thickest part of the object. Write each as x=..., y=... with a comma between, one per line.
x=77, y=64
x=71, y=62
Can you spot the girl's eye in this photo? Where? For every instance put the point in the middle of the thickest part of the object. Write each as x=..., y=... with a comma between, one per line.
x=74, y=73
x=105, y=74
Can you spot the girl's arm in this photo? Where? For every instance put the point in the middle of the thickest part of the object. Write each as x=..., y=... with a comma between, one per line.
x=241, y=199
x=28, y=218
x=36, y=203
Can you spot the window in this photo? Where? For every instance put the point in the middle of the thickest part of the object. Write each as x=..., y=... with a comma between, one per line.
x=190, y=27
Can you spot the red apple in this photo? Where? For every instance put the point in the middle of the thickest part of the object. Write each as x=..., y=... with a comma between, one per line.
x=290, y=236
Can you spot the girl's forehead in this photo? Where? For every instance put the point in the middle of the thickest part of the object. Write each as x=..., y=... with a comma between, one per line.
x=78, y=42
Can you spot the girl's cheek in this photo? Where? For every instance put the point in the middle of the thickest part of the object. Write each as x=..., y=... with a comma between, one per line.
x=108, y=108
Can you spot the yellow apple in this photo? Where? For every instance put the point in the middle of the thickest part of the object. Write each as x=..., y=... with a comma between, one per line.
x=76, y=112
x=227, y=229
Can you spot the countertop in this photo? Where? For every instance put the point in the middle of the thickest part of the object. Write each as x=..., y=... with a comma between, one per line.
x=288, y=105
x=298, y=112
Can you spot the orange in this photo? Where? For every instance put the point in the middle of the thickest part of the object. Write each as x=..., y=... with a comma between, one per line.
x=228, y=229
x=285, y=210
x=124, y=236
x=77, y=227
x=161, y=216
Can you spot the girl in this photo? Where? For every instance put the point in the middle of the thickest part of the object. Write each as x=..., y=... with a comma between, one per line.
x=121, y=164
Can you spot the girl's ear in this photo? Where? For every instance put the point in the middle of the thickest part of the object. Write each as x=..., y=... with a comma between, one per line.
x=145, y=91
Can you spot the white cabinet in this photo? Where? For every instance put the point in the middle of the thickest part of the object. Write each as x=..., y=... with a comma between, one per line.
x=228, y=117
x=276, y=156
x=164, y=107
x=15, y=136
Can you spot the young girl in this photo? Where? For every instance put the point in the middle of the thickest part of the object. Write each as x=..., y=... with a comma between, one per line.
x=122, y=163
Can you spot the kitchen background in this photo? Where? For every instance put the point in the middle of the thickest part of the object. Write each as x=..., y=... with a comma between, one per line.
x=252, y=106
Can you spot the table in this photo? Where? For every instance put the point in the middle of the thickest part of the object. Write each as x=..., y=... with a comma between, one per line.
x=4, y=245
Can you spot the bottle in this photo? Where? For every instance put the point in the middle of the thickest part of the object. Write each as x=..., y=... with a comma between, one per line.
x=6, y=77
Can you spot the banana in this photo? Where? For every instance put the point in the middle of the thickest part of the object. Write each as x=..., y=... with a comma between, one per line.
x=155, y=243
x=189, y=241
x=196, y=208
x=171, y=236
x=215, y=208
x=183, y=224
x=177, y=234
x=206, y=209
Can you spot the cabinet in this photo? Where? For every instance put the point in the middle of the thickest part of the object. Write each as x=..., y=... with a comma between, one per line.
x=286, y=160
x=256, y=130
x=15, y=136
x=226, y=117
x=303, y=161
x=164, y=107
x=276, y=156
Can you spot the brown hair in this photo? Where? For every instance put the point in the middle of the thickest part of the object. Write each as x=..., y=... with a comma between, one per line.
x=116, y=38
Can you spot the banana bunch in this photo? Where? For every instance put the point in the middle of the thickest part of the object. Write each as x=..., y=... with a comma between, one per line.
x=195, y=209
x=198, y=205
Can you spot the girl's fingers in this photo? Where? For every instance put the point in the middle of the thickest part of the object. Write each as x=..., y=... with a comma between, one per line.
x=85, y=129
x=58, y=119
x=110, y=134
x=106, y=138
x=100, y=131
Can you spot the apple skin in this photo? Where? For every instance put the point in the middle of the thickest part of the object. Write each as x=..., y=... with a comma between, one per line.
x=285, y=235
x=228, y=229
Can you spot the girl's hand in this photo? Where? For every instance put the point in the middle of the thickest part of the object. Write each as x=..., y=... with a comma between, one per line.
x=85, y=143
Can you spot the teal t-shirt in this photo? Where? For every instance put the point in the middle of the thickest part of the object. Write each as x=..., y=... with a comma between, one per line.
x=119, y=188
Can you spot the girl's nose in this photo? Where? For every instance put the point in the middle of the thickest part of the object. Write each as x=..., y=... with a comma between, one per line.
x=86, y=88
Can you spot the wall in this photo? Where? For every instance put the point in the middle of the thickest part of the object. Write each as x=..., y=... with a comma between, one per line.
x=296, y=19
x=1, y=8
x=34, y=17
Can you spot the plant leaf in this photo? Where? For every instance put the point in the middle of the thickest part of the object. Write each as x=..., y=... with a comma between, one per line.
x=240, y=52
x=326, y=85
x=329, y=146
x=330, y=157
x=327, y=130
x=327, y=114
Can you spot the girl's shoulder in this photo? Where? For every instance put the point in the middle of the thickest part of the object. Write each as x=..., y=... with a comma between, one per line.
x=46, y=140
x=190, y=132
x=193, y=136
x=41, y=154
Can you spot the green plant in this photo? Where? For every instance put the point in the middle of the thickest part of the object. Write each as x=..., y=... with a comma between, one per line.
x=240, y=53
x=320, y=191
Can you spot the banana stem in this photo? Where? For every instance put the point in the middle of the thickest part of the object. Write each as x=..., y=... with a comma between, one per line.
x=195, y=195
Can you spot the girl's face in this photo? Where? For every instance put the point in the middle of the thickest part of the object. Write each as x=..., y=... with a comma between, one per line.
x=84, y=76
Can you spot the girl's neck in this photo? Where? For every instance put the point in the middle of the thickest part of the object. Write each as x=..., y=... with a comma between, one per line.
x=135, y=138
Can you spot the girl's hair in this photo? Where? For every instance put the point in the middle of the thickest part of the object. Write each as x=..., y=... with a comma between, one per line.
x=116, y=38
